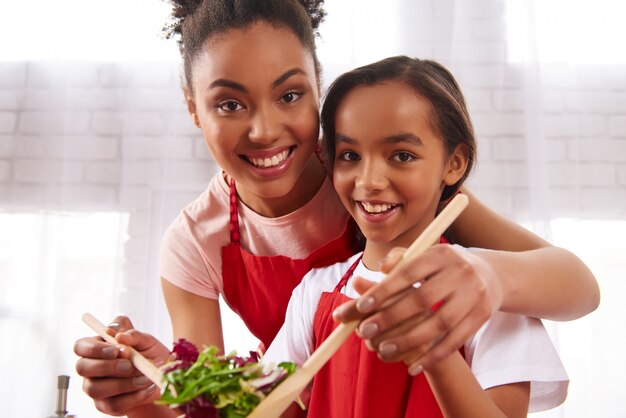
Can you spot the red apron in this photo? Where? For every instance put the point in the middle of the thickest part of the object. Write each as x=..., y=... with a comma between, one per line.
x=355, y=383
x=258, y=288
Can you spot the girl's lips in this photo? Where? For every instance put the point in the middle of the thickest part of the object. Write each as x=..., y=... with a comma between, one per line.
x=376, y=211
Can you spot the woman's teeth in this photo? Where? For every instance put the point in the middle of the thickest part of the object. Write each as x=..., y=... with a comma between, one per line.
x=376, y=208
x=270, y=162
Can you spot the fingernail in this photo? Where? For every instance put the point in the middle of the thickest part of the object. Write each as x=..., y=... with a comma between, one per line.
x=109, y=352
x=141, y=381
x=415, y=369
x=114, y=325
x=151, y=388
x=337, y=313
x=368, y=330
x=365, y=304
x=387, y=349
x=124, y=366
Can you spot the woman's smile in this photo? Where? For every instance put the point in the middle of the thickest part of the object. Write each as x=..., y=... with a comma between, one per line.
x=270, y=163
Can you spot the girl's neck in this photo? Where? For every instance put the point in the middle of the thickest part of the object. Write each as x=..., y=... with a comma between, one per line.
x=375, y=252
x=305, y=188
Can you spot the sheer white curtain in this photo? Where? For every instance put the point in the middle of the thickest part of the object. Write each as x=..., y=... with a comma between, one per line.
x=97, y=155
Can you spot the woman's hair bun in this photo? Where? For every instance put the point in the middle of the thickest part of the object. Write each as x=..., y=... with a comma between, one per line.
x=181, y=9
x=315, y=11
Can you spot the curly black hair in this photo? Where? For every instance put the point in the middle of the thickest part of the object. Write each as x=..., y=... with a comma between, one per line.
x=195, y=21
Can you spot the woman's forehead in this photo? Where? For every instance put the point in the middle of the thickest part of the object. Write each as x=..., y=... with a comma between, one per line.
x=259, y=50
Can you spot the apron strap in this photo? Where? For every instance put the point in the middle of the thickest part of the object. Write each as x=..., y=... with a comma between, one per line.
x=347, y=275
x=234, y=214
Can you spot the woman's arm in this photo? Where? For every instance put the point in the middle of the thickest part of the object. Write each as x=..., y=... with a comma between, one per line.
x=537, y=279
x=195, y=318
x=116, y=387
x=459, y=394
x=110, y=379
x=529, y=277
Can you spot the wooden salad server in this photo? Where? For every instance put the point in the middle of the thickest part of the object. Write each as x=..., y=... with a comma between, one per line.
x=142, y=364
x=286, y=392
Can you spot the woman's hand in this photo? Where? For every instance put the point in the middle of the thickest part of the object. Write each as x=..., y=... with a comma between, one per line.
x=409, y=329
x=110, y=379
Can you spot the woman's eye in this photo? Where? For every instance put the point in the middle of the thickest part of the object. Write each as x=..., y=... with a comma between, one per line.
x=348, y=156
x=229, y=106
x=403, y=157
x=291, y=96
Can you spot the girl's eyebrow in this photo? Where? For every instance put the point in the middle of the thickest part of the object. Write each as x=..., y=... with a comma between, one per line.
x=404, y=137
x=223, y=82
x=393, y=139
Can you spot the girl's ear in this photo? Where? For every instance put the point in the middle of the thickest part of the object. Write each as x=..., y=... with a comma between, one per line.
x=191, y=106
x=456, y=165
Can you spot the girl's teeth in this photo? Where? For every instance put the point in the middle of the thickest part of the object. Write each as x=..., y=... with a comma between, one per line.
x=377, y=208
x=270, y=162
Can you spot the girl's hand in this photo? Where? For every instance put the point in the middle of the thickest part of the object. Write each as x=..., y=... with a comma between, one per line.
x=110, y=379
x=409, y=329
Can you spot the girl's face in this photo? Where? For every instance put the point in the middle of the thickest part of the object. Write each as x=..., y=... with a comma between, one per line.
x=256, y=99
x=390, y=165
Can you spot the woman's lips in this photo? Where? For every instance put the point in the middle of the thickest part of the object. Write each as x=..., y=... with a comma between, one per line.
x=271, y=163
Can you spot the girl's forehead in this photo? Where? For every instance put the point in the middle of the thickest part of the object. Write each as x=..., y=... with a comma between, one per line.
x=384, y=109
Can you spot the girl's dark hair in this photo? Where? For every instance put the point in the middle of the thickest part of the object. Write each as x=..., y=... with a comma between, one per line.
x=195, y=21
x=428, y=79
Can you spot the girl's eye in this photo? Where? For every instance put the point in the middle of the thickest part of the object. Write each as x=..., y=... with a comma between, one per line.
x=403, y=157
x=348, y=156
x=229, y=106
x=290, y=97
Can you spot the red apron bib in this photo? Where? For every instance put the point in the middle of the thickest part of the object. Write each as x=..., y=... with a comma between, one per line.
x=258, y=288
x=355, y=383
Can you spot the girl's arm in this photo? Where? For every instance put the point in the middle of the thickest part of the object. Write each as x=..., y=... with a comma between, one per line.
x=459, y=394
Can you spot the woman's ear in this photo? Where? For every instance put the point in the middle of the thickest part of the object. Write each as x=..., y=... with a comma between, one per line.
x=456, y=165
x=191, y=106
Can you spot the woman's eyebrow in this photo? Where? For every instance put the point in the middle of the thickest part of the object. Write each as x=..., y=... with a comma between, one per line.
x=222, y=82
x=286, y=75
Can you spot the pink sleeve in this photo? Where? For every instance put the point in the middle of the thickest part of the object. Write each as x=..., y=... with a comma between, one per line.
x=184, y=263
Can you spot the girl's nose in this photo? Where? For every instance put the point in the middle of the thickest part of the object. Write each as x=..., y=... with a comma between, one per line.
x=266, y=125
x=371, y=176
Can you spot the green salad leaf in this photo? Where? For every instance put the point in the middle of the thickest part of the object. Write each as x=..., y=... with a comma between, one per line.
x=207, y=385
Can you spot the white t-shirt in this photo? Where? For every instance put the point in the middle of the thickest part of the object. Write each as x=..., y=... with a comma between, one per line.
x=191, y=248
x=508, y=348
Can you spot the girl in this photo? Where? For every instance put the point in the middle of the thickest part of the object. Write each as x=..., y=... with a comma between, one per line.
x=251, y=83
x=401, y=142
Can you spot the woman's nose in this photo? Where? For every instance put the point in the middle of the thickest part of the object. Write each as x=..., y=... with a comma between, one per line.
x=266, y=125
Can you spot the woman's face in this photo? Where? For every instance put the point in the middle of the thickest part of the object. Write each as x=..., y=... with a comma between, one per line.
x=256, y=98
x=390, y=165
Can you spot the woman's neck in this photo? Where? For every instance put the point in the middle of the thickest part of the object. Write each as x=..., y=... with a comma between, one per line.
x=305, y=188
